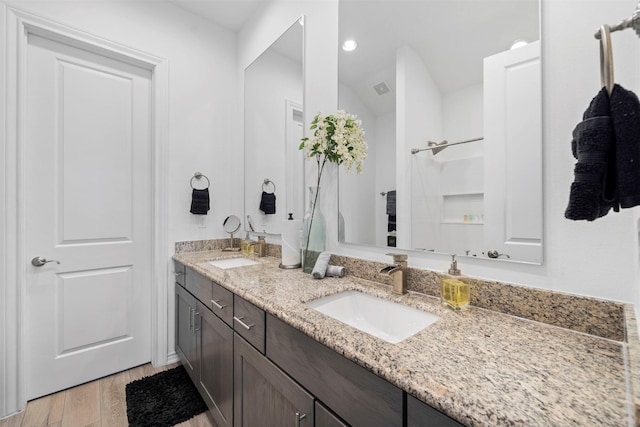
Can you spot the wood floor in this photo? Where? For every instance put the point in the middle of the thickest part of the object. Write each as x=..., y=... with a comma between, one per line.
x=96, y=404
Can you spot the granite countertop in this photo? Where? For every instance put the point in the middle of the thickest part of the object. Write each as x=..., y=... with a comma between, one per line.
x=480, y=367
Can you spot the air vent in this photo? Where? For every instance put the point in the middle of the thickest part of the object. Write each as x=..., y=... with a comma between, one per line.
x=382, y=88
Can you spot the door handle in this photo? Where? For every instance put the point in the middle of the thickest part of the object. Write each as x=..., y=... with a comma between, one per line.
x=39, y=261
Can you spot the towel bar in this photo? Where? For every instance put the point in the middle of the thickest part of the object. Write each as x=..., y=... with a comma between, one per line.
x=267, y=181
x=198, y=176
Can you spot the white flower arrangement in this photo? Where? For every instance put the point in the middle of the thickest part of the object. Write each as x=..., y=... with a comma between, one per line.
x=337, y=138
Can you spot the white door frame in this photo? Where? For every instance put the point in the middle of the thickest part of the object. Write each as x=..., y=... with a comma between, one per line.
x=13, y=45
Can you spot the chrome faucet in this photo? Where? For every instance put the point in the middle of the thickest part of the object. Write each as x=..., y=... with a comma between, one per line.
x=399, y=273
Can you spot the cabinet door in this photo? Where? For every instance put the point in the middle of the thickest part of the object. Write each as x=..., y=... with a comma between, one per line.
x=357, y=395
x=420, y=414
x=264, y=395
x=215, y=351
x=185, y=330
x=325, y=418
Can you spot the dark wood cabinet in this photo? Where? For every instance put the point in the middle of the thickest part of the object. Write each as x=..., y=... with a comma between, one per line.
x=199, y=286
x=249, y=322
x=265, y=395
x=204, y=344
x=179, y=271
x=420, y=414
x=357, y=395
x=186, y=306
x=222, y=303
x=215, y=358
x=253, y=369
x=326, y=418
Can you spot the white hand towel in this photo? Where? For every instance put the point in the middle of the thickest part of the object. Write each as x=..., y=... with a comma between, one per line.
x=320, y=268
x=335, y=271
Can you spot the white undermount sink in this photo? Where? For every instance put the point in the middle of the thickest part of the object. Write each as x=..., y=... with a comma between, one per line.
x=384, y=319
x=233, y=262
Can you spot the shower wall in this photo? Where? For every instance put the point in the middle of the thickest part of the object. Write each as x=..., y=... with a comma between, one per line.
x=419, y=118
x=447, y=188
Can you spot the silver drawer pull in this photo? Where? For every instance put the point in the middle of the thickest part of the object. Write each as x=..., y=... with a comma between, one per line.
x=195, y=314
x=300, y=417
x=218, y=306
x=239, y=320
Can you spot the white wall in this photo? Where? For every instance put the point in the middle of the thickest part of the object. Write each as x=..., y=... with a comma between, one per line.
x=463, y=119
x=357, y=199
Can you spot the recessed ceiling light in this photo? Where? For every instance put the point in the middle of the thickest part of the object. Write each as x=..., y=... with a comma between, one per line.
x=349, y=45
x=518, y=43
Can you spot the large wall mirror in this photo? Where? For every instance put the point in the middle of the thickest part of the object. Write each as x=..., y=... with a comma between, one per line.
x=452, y=114
x=273, y=128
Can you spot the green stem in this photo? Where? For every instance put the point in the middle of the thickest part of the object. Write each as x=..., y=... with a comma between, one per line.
x=313, y=209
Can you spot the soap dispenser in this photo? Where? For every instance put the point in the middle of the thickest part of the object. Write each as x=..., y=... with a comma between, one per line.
x=455, y=293
x=453, y=269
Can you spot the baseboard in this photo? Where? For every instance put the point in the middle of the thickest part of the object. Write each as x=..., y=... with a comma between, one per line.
x=172, y=358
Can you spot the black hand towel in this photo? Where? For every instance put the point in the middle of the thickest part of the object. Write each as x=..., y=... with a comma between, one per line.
x=200, y=201
x=593, y=191
x=625, y=114
x=268, y=203
x=391, y=224
x=391, y=202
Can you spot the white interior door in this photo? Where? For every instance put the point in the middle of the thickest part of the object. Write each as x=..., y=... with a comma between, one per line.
x=88, y=206
x=513, y=153
x=294, y=165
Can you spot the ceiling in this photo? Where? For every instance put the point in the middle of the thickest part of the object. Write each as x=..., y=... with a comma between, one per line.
x=230, y=14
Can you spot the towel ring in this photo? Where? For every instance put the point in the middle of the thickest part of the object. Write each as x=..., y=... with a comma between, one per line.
x=198, y=175
x=266, y=182
x=606, y=59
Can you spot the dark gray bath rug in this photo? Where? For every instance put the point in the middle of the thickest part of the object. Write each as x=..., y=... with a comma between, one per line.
x=164, y=399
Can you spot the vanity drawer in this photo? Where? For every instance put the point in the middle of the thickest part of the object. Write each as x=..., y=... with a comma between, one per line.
x=249, y=322
x=358, y=396
x=179, y=270
x=222, y=303
x=199, y=286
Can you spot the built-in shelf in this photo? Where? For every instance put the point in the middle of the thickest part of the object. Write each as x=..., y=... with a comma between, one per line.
x=452, y=222
x=456, y=205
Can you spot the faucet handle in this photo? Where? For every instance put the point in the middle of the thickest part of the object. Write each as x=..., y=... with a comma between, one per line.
x=398, y=257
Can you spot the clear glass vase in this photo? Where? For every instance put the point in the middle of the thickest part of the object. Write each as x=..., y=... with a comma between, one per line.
x=314, y=231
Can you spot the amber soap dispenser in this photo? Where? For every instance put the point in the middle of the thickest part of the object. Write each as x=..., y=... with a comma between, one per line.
x=454, y=292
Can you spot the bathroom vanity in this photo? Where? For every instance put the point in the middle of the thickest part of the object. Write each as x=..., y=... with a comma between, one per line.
x=260, y=356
